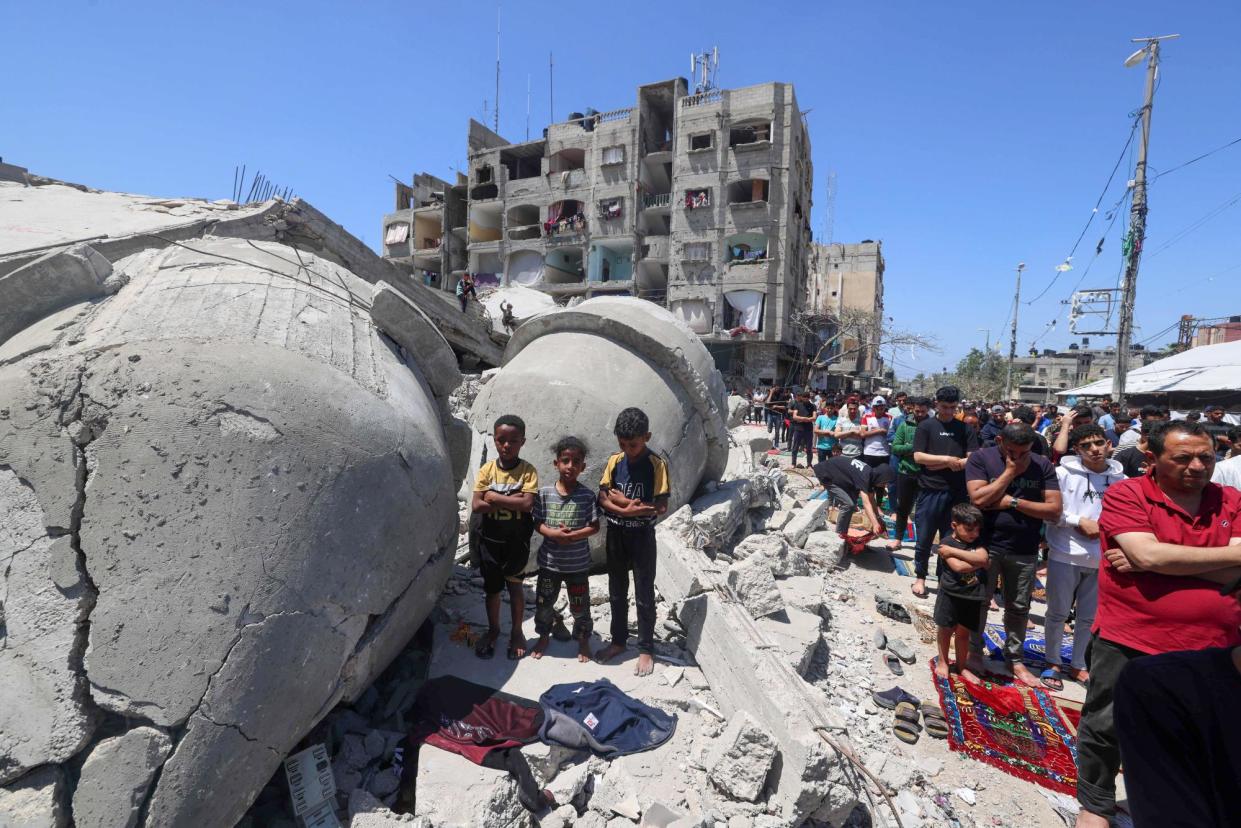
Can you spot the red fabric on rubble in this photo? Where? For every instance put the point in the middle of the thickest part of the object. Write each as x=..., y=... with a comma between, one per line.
x=472, y=720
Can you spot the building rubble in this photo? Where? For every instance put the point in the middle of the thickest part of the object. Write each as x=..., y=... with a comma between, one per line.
x=220, y=428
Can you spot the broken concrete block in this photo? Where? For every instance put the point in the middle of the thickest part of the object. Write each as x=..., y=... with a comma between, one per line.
x=563, y=817
x=116, y=776
x=742, y=761
x=805, y=592
x=755, y=587
x=688, y=571
x=746, y=674
x=798, y=634
x=37, y=800
x=48, y=284
x=826, y=548
x=616, y=342
x=784, y=559
x=397, y=316
x=616, y=793
x=807, y=519
x=738, y=408
x=501, y=808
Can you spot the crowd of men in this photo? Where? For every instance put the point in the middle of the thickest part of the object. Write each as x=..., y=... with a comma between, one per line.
x=1132, y=521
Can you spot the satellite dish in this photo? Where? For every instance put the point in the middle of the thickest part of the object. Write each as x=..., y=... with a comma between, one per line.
x=1135, y=58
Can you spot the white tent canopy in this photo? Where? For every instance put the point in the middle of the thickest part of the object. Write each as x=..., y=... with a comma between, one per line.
x=1211, y=368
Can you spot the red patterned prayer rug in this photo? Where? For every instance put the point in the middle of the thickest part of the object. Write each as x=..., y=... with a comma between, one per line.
x=1016, y=728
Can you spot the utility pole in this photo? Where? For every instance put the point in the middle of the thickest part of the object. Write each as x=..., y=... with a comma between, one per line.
x=987, y=331
x=497, y=118
x=1012, y=339
x=1137, y=215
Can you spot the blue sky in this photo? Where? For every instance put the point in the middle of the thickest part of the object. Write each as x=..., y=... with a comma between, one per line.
x=967, y=136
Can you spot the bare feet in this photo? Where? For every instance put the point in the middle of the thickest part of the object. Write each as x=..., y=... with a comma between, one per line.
x=1085, y=819
x=894, y=545
x=609, y=652
x=583, y=650
x=1082, y=676
x=968, y=675
x=1023, y=675
x=918, y=587
x=646, y=665
x=941, y=668
x=540, y=646
x=517, y=646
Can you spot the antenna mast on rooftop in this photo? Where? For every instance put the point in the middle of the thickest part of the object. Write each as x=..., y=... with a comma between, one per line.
x=703, y=68
x=829, y=219
x=497, y=113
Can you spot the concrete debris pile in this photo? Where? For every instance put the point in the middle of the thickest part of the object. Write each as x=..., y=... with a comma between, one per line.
x=219, y=432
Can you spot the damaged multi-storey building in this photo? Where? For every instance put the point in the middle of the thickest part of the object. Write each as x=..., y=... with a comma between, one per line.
x=697, y=202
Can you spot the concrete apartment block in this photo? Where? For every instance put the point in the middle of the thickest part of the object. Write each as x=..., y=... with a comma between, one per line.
x=847, y=279
x=699, y=203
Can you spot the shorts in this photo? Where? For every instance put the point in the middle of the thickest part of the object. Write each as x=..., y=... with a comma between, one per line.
x=501, y=561
x=952, y=611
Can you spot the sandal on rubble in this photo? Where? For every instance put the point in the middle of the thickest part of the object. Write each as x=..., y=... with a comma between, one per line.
x=905, y=723
x=933, y=720
x=893, y=610
x=894, y=664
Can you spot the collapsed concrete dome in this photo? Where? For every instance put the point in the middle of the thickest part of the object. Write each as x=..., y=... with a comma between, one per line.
x=572, y=370
x=228, y=503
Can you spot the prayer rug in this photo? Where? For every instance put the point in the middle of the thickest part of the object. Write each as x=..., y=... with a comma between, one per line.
x=1015, y=728
x=1033, y=651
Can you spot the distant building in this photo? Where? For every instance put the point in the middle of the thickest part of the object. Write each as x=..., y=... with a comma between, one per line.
x=1223, y=331
x=846, y=282
x=698, y=202
x=1039, y=377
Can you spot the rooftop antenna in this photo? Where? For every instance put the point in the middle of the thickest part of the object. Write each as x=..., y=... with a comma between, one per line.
x=829, y=220
x=703, y=67
x=497, y=113
x=527, y=106
x=551, y=89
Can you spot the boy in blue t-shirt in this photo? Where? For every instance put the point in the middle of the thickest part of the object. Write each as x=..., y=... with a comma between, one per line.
x=824, y=425
x=565, y=515
x=633, y=492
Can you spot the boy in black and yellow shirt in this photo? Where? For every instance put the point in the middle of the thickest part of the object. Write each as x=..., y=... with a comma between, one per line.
x=504, y=495
x=633, y=492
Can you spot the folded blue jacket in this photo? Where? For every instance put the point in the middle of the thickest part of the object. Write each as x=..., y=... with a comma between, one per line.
x=598, y=716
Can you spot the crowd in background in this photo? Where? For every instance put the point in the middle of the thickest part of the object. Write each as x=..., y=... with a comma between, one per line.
x=1129, y=517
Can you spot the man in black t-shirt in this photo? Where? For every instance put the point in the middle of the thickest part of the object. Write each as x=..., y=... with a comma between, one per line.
x=801, y=427
x=777, y=405
x=845, y=478
x=1133, y=459
x=941, y=444
x=1017, y=491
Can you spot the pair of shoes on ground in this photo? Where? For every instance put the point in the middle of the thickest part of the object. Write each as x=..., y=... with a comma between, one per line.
x=897, y=651
x=906, y=726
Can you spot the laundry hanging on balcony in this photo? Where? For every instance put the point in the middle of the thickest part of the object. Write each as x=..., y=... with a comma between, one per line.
x=749, y=307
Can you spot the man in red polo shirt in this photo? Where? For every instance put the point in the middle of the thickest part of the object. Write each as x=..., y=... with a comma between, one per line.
x=1169, y=539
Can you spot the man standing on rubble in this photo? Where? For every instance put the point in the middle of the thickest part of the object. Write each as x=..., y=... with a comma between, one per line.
x=1169, y=539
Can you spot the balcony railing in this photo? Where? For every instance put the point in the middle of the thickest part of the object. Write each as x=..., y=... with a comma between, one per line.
x=615, y=115
x=655, y=200
x=710, y=96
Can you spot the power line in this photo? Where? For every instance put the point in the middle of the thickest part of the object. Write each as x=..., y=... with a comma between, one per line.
x=1197, y=159
x=1181, y=234
x=1119, y=159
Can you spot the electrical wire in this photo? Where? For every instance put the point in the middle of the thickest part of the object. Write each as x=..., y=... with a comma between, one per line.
x=1150, y=339
x=1195, y=160
x=1181, y=234
x=1095, y=211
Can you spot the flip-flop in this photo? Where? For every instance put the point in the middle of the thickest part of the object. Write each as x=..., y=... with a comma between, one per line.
x=933, y=721
x=1051, y=679
x=485, y=648
x=893, y=610
x=905, y=723
x=894, y=664
x=902, y=650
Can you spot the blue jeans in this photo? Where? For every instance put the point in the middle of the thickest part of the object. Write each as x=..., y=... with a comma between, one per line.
x=932, y=515
x=775, y=422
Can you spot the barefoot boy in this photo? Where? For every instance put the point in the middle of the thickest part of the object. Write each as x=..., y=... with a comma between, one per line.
x=504, y=495
x=565, y=515
x=633, y=492
x=962, y=589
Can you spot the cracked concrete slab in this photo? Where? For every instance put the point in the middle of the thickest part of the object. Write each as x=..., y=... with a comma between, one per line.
x=116, y=777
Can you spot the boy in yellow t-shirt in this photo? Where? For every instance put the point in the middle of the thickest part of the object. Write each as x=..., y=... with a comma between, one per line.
x=504, y=495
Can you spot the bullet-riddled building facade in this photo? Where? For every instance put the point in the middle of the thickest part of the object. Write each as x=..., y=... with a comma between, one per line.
x=698, y=202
